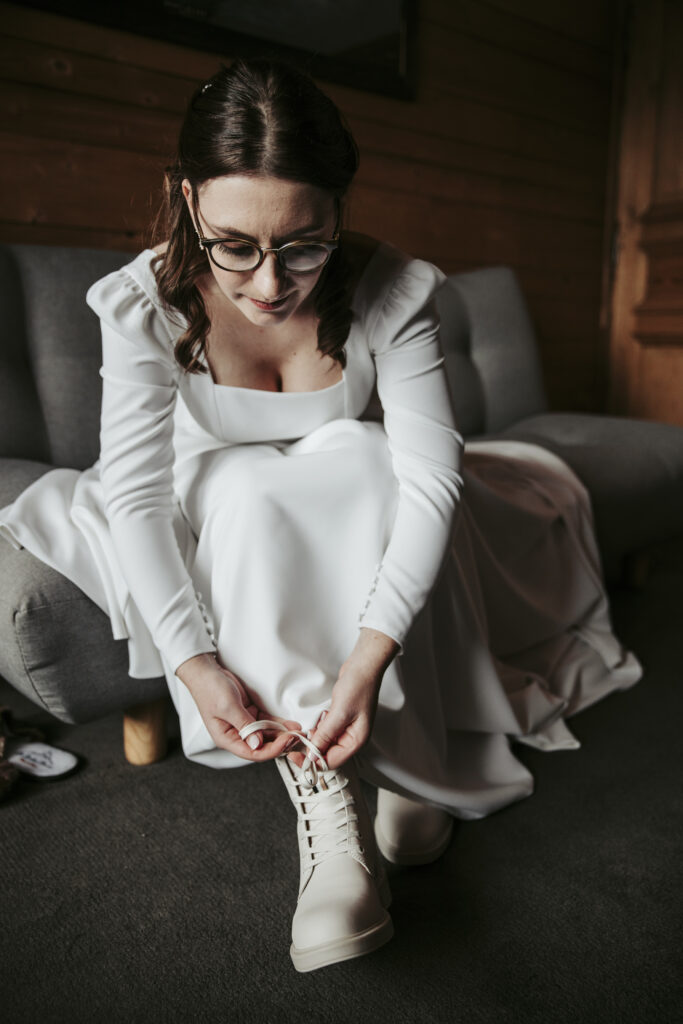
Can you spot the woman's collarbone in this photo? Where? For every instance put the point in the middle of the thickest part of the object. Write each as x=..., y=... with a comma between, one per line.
x=283, y=367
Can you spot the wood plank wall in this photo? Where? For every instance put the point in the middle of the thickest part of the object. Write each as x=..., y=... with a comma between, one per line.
x=502, y=157
x=647, y=303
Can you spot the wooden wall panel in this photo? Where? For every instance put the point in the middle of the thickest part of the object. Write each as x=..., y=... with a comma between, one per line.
x=460, y=64
x=40, y=113
x=515, y=27
x=647, y=321
x=584, y=20
x=502, y=157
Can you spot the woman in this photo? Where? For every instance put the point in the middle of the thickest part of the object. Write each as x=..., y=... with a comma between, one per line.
x=240, y=461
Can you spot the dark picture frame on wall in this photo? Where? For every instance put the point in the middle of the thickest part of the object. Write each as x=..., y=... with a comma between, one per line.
x=365, y=44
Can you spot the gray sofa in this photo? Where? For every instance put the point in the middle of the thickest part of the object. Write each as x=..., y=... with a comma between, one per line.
x=56, y=645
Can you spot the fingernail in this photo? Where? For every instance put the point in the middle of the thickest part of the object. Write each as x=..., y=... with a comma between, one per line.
x=253, y=741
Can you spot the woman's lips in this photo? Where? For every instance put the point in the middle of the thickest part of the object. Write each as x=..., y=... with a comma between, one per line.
x=269, y=306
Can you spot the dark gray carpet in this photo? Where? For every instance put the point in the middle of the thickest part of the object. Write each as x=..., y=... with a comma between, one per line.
x=164, y=894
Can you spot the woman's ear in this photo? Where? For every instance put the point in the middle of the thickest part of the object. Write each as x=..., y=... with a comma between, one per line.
x=187, y=195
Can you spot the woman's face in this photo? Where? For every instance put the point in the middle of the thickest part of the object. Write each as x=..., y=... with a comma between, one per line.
x=270, y=212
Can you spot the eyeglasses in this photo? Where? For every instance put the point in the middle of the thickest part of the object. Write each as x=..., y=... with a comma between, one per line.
x=240, y=256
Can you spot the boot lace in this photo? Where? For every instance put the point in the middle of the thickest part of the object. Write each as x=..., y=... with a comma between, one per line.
x=327, y=823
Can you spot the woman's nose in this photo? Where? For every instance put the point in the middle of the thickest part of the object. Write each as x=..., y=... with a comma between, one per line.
x=269, y=278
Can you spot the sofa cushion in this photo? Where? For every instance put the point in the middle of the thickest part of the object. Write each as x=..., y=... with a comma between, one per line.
x=633, y=470
x=16, y=475
x=56, y=645
x=63, y=343
x=490, y=350
x=23, y=433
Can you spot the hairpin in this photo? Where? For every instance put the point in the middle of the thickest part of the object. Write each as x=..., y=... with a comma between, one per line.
x=205, y=87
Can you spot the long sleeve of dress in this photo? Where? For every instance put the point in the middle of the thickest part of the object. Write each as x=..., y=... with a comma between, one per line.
x=425, y=448
x=136, y=465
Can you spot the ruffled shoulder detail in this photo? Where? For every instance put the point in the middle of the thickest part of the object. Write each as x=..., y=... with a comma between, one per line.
x=127, y=301
x=395, y=290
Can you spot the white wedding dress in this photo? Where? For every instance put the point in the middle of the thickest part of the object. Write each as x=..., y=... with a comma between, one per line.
x=270, y=525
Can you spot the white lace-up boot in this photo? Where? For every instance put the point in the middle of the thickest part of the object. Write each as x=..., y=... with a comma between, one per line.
x=343, y=890
x=409, y=832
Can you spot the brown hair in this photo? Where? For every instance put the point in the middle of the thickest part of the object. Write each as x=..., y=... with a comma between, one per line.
x=255, y=117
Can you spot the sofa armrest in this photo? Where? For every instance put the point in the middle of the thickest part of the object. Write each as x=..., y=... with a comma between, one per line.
x=56, y=645
x=632, y=469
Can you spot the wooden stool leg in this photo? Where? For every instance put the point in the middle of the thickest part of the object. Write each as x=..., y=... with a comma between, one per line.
x=144, y=732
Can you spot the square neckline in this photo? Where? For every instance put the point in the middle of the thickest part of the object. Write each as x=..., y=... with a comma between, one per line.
x=317, y=391
x=280, y=394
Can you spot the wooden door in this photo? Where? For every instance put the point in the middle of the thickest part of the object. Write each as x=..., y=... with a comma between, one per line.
x=646, y=337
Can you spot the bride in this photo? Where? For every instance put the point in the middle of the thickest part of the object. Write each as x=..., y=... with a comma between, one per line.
x=282, y=521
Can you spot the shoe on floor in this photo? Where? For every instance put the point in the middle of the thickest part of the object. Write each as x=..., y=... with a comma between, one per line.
x=40, y=761
x=343, y=889
x=23, y=750
x=409, y=832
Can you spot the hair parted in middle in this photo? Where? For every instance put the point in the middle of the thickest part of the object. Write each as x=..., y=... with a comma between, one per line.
x=262, y=117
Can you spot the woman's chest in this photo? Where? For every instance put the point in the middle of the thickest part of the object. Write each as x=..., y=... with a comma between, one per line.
x=284, y=358
x=293, y=367
x=239, y=414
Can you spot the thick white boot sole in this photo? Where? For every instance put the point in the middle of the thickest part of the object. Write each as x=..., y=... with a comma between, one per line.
x=367, y=941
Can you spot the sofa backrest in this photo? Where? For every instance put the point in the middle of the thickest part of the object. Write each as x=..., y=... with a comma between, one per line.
x=50, y=353
x=490, y=349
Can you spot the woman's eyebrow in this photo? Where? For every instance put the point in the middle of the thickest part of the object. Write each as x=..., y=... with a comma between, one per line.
x=223, y=231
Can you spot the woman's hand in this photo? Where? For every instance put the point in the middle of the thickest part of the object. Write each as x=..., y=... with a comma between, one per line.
x=226, y=707
x=346, y=727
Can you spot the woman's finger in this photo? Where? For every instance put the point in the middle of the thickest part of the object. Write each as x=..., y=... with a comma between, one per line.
x=274, y=742
x=229, y=738
x=337, y=757
x=331, y=726
x=348, y=741
x=272, y=748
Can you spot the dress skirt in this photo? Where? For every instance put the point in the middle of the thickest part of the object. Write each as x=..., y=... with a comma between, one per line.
x=515, y=637
x=283, y=542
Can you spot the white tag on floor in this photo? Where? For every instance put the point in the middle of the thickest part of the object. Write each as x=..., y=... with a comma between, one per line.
x=39, y=759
